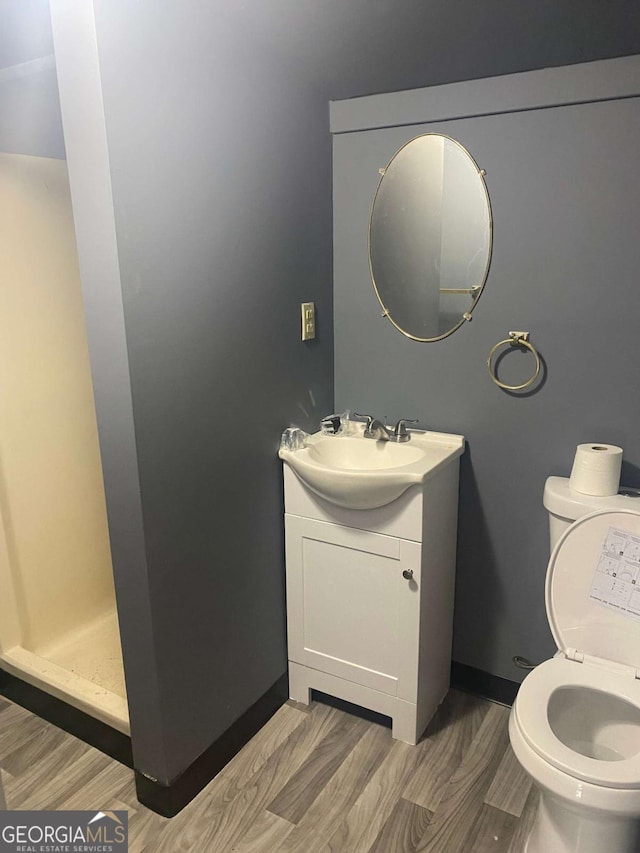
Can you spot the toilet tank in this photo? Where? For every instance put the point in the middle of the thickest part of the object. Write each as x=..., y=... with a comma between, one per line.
x=565, y=505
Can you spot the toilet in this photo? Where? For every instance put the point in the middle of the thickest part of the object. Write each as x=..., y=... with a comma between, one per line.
x=575, y=723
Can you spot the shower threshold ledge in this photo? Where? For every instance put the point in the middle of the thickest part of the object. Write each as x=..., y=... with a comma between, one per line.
x=83, y=669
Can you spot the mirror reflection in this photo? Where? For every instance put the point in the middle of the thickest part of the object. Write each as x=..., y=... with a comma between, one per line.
x=430, y=237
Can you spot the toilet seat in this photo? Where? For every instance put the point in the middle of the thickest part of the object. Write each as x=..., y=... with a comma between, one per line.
x=592, y=605
x=598, y=634
x=531, y=715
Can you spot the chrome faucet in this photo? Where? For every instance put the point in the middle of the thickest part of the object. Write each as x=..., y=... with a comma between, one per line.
x=381, y=432
x=375, y=429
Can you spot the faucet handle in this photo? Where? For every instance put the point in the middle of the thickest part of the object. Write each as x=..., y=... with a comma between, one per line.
x=400, y=431
x=330, y=425
x=369, y=419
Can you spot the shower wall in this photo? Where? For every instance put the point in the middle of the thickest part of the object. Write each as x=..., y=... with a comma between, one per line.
x=55, y=558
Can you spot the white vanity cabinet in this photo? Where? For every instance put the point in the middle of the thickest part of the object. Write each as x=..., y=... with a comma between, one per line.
x=370, y=599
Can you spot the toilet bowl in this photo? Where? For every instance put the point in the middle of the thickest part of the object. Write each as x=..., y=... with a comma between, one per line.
x=575, y=723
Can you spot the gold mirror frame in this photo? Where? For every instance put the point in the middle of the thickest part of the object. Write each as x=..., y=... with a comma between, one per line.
x=467, y=315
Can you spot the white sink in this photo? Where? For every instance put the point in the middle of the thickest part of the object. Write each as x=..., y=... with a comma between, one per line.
x=360, y=473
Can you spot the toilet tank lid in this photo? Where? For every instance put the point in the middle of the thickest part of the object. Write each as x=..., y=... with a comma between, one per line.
x=593, y=588
x=560, y=499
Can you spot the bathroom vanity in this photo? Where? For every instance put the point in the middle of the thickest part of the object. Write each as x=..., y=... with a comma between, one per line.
x=370, y=591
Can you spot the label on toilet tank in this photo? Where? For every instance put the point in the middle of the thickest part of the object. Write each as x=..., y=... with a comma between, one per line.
x=616, y=580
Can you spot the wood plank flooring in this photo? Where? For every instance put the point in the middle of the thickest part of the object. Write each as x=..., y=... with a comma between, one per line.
x=313, y=780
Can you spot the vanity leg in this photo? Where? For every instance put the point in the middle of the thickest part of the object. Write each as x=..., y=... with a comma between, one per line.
x=404, y=724
x=299, y=689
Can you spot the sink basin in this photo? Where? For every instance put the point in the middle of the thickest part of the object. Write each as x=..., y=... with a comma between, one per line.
x=360, y=473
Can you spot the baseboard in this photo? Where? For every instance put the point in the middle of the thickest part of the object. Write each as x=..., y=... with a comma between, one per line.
x=66, y=717
x=168, y=800
x=464, y=677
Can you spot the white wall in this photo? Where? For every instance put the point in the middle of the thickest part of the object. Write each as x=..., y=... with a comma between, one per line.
x=51, y=491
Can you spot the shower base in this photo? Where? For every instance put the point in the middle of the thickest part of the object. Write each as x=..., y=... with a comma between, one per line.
x=83, y=668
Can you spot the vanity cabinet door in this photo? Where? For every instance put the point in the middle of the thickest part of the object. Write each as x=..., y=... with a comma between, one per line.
x=350, y=610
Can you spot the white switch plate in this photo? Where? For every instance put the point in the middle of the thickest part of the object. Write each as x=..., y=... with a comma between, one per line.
x=308, y=317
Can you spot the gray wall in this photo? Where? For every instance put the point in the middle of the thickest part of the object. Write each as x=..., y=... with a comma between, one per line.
x=222, y=212
x=363, y=47
x=566, y=199
x=92, y=200
x=218, y=184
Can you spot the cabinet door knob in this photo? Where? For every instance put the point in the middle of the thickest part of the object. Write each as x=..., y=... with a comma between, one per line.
x=408, y=574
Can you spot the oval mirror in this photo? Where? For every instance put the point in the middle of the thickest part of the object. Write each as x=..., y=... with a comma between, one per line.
x=430, y=237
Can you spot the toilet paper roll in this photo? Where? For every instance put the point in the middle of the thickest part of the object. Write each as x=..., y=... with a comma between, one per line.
x=596, y=469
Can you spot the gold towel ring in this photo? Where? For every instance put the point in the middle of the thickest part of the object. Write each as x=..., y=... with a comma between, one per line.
x=515, y=339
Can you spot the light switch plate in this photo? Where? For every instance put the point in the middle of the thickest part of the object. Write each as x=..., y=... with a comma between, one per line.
x=308, y=317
